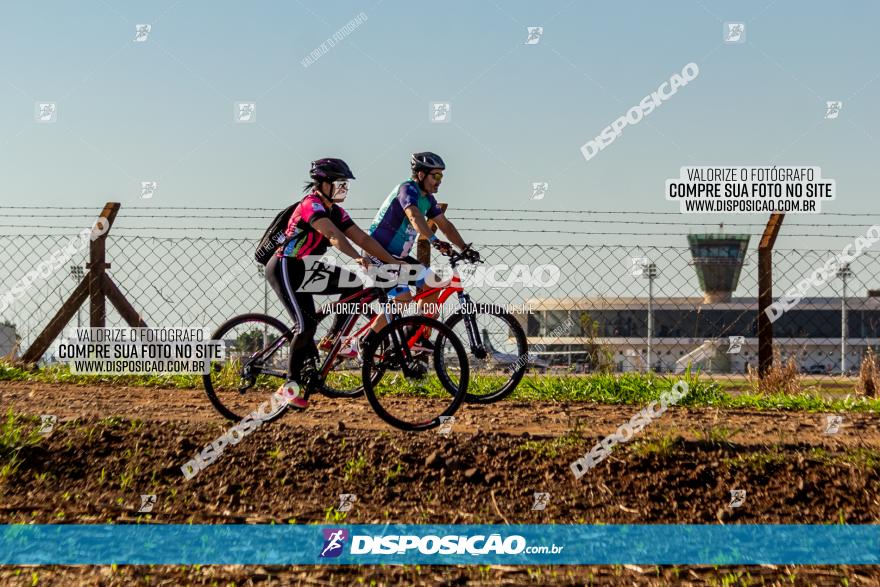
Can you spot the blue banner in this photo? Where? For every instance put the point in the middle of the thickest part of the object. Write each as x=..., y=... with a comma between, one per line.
x=440, y=544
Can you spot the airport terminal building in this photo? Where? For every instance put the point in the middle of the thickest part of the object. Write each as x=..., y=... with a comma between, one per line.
x=701, y=331
x=692, y=330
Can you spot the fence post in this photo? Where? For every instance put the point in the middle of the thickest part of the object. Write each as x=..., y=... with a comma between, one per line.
x=96, y=266
x=765, y=292
x=96, y=286
x=423, y=247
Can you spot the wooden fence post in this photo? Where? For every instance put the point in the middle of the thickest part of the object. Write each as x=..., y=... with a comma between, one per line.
x=765, y=292
x=96, y=286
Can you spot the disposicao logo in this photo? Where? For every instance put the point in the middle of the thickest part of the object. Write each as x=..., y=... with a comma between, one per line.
x=334, y=541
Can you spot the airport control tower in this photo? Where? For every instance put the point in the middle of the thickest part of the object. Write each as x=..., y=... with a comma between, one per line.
x=718, y=259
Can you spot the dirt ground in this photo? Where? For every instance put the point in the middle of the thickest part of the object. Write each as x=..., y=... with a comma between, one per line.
x=680, y=469
x=747, y=427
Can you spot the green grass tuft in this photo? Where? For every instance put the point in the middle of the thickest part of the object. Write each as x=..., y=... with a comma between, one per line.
x=660, y=446
x=602, y=388
x=16, y=433
x=551, y=447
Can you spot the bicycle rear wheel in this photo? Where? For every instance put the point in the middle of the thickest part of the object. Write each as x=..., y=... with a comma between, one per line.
x=409, y=385
x=256, y=349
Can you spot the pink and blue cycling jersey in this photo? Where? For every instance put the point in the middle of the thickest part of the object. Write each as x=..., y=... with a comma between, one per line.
x=304, y=239
x=391, y=227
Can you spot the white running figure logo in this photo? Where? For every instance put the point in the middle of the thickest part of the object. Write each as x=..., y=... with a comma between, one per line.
x=535, y=33
x=334, y=543
x=736, y=344
x=737, y=497
x=541, y=501
x=47, y=423
x=833, y=423
x=832, y=109
x=735, y=30
x=346, y=500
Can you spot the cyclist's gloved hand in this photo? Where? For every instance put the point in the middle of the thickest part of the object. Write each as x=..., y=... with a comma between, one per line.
x=472, y=256
x=444, y=247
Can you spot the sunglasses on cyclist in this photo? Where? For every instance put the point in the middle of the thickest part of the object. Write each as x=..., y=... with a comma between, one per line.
x=437, y=176
x=340, y=185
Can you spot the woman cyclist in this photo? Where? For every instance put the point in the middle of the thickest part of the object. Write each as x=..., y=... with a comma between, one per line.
x=296, y=274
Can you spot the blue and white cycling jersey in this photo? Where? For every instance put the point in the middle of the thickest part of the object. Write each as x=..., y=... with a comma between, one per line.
x=391, y=227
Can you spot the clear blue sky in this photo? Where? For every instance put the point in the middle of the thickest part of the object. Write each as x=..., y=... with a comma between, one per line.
x=163, y=109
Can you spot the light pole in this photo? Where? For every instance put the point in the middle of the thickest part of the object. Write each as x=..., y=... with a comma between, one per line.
x=77, y=273
x=261, y=272
x=649, y=273
x=843, y=273
x=568, y=321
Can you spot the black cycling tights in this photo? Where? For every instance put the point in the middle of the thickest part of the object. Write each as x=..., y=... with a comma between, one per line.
x=295, y=285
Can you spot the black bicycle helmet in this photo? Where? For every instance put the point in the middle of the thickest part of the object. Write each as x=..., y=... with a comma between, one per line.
x=426, y=161
x=329, y=169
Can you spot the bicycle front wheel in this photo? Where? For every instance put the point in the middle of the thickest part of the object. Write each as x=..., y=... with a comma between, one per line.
x=415, y=373
x=497, y=349
x=256, y=349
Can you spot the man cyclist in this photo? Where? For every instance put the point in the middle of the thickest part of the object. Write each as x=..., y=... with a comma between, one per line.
x=295, y=274
x=404, y=216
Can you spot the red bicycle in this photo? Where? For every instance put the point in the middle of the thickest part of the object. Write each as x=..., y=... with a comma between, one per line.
x=400, y=387
x=495, y=341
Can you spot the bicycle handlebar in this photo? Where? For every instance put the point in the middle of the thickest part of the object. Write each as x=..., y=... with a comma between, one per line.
x=466, y=254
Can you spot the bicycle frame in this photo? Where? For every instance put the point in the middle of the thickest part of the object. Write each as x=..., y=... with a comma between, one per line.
x=364, y=297
x=446, y=291
x=371, y=294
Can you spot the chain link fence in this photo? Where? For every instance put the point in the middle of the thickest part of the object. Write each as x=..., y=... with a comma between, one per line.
x=584, y=307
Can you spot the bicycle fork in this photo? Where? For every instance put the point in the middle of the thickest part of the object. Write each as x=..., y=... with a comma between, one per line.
x=470, y=324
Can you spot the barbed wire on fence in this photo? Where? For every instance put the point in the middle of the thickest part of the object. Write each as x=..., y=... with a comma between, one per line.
x=202, y=280
x=530, y=219
x=472, y=229
x=568, y=212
